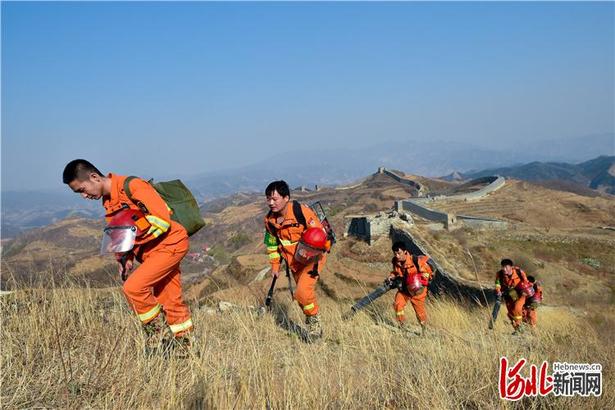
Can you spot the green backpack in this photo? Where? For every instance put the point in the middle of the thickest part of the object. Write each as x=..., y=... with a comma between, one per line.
x=181, y=201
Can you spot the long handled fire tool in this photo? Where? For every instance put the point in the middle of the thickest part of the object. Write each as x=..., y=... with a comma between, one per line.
x=270, y=293
x=496, y=310
x=290, y=283
x=123, y=261
x=269, y=297
x=388, y=285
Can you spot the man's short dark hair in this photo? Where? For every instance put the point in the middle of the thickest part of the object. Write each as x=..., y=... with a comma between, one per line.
x=281, y=187
x=79, y=169
x=506, y=262
x=399, y=245
x=531, y=279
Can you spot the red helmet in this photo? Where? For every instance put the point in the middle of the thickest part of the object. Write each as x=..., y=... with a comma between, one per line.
x=525, y=289
x=315, y=237
x=312, y=245
x=413, y=284
x=120, y=233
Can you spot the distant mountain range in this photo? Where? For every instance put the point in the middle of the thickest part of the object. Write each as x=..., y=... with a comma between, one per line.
x=24, y=210
x=432, y=158
x=597, y=174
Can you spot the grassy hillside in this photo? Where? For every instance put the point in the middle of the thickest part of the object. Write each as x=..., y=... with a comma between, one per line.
x=65, y=344
x=67, y=348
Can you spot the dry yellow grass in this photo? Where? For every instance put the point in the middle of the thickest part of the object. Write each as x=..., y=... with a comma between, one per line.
x=81, y=348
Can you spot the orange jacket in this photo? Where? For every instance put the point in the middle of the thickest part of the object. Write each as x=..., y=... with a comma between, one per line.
x=289, y=233
x=399, y=268
x=142, y=192
x=509, y=282
x=538, y=289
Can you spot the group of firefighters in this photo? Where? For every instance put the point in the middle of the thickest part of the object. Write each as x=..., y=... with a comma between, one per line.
x=142, y=229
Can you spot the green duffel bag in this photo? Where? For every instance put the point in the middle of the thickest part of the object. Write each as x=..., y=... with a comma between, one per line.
x=185, y=209
x=512, y=294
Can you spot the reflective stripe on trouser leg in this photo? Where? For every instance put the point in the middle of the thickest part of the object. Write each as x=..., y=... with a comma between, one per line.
x=400, y=304
x=418, y=303
x=156, y=282
x=517, y=313
x=169, y=293
x=150, y=315
x=305, y=294
x=307, y=309
x=181, y=327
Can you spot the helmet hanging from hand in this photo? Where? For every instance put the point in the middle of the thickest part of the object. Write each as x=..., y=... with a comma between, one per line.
x=120, y=233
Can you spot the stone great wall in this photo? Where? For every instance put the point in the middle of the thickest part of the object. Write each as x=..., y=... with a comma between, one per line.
x=398, y=222
x=368, y=227
x=420, y=206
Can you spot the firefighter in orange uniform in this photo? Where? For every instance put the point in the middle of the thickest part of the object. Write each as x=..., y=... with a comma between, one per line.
x=531, y=304
x=511, y=283
x=294, y=233
x=416, y=272
x=153, y=289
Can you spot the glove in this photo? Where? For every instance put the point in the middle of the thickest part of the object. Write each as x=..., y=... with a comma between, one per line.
x=158, y=225
x=425, y=275
x=388, y=282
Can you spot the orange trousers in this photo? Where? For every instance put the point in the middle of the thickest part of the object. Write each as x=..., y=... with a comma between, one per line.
x=529, y=316
x=305, y=294
x=515, y=310
x=155, y=286
x=418, y=303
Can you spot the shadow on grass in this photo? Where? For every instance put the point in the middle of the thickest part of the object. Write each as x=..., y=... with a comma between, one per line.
x=280, y=315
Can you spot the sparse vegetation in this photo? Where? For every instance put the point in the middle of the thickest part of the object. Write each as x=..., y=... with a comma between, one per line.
x=246, y=361
x=238, y=240
x=220, y=254
x=65, y=347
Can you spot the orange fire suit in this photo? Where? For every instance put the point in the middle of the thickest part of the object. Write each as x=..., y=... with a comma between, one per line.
x=281, y=239
x=155, y=285
x=514, y=300
x=405, y=269
x=529, y=309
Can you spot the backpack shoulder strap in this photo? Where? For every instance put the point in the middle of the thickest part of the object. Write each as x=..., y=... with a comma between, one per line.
x=417, y=265
x=129, y=194
x=270, y=227
x=299, y=216
x=127, y=186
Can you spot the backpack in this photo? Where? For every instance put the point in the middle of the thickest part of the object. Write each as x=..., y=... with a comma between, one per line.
x=320, y=214
x=183, y=205
x=300, y=217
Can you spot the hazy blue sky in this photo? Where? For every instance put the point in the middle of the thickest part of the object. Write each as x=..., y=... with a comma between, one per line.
x=168, y=88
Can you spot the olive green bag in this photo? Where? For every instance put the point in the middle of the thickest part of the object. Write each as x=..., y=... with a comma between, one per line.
x=185, y=209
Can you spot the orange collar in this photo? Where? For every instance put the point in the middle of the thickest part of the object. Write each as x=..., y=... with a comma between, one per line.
x=111, y=202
